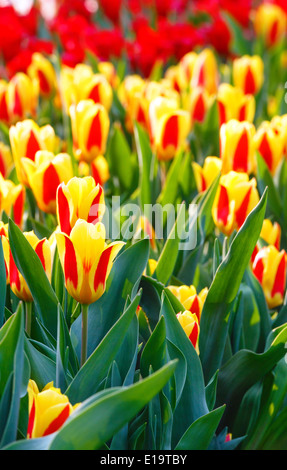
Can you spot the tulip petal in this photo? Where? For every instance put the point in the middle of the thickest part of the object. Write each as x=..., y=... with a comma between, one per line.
x=104, y=266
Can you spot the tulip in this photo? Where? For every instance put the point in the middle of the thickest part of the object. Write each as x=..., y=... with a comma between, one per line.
x=22, y=97
x=86, y=261
x=170, y=127
x=43, y=71
x=90, y=129
x=6, y=248
x=189, y=323
x=6, y=160
x=80, y=198
x=197, y=102
x=234, y=104
x=109, y=71
x=4, y=113
x=237, y=148
x=205, y=72
x=26, y=139
x=235, y=199
x=146, y=227
x=269, y=267
x=187, y=63
x=45, y=174
x=248, y=74
x=270, y=141
x=12, y=199
x=48, y=410
x=204, y=176
x=270, y=23
x=271, y=233
x=189, y=298
x=175, y=75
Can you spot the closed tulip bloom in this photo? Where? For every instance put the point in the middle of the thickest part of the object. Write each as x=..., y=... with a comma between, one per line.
x=170, y=127
x=234, y=104
x=12, y=200
x=187, y=64
x=4, y=113
x=235, y=199
x=197, y=102
x=43, y=71
x=22, y=97
x=237, y=148
x=205, y=175
x=248, y=74
x=269, y=267
x=189, y=298
x=270, y=23
x=6, y=160
x=205, y=72
x=270, y=142
x=86, y=260
x=189, y=323
x=26, y=139
x=90, y=129
x=45, y=174
x=80, y=198
x=48, y=410
x=17, y=282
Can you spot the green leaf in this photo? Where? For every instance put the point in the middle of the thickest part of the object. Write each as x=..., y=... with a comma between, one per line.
x=200, y=433
x=121, y=159
x=264, y=179
x=30, y=266
x=2, y=285
x=154, y=352
x=146, y=162
x=101, y=418
x=224, y=288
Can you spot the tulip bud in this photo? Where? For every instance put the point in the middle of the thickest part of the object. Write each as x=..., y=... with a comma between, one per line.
x=204, y=176
x=234, y=104
x=189, y=323
x=269, y=267
x=43, y=71
x=170, y=127
x=205, y=72
x=270, y=141
x=235, y=199
x=237, y=148
x=80, y=198
x=248, y=74
x=270, y=23
x=86, y=260
x=22, y=97
x=45, y=174
x=48, y=410
x=17, y=282
x=189, y=298
x=6, y=160
x=26, y=139
x=90, y=129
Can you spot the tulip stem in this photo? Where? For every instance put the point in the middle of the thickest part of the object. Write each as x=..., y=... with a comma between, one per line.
x=84, y=345
x=28, y=308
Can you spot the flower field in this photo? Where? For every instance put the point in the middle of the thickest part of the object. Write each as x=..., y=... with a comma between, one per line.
x=143, y=204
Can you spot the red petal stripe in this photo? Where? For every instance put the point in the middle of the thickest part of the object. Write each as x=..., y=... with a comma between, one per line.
x=258, y=269
x=18, y=208
x=70, y=263
x=40, y=252
x=199, y=109
x=241, y=213
x=240, y=160
x=265, y=151
x=31, y=420
x=280, y=278
x=32, y=146
x=194, y=334
x=59, y=421
x=63, y=211
x=44, y=84
x=170, y=134
x=51, y=182
x=95, y=134
x=250, y=85
x=223, y=205
x=101, y=271
x=93, y=216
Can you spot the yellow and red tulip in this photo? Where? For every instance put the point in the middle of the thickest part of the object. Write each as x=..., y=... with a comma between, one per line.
x=197, y=102
x=12, y=199
x=270, y=23
x=80, y=198
x=43, y=71
x=248, y=74
x=4, y=112
x=269, y=267
x=189, y=323
x=187, y=63
x=237, y=147
x=17, y=282
x=189, y=298
x=170, y=127
x=271, y=234
x=6, y=160
x=235, y=199
x=270, y=141
x=205, y=72
x=6, y=248
x=205, y=175
x=90, y=129
x=48, y=410
x=109, y=71
x=234, y=104
x=22, y=97
x=27, y=138
x=45, y=174
x=86, y=260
